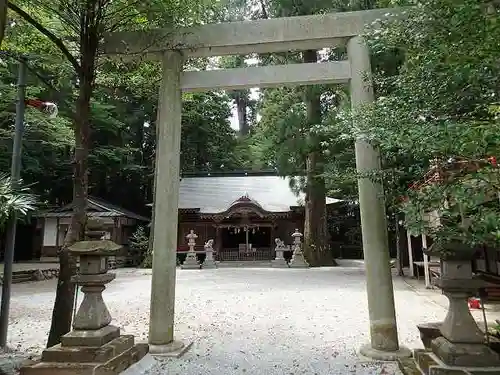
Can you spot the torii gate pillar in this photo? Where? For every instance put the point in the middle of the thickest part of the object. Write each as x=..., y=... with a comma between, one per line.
x=384, y=343
x=167, y=168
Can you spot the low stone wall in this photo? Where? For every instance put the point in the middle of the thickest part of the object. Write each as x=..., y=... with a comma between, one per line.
x=33, y=275
x=47, y=274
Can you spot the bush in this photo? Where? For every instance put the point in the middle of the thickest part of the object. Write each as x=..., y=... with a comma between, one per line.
x=139, y=246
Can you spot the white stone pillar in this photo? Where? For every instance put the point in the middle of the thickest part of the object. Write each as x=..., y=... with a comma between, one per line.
x=410, y=254
x=427, y=273
x=167, y=168
x=384, y=343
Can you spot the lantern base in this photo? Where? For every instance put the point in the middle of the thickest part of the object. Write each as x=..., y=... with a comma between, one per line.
x=298, y=261
x=209, y=264
x=88, y=338
x=191, y=263
x=464, y=354
x=111, y=358
x=279, y=263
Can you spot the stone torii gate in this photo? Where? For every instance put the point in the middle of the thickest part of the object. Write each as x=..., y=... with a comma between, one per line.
x=261, y=36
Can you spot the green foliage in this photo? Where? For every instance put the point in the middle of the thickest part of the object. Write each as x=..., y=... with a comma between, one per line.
x=139, y=246
x=46, y=142
x=281, y=132
x=440, y=105
x=208, y=143
x=283, y=138
x=14, y=200
x=436, y=77
x=467, y=206
x=123, y=112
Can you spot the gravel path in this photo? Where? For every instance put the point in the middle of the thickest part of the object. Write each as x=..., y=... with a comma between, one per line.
x=258, y=321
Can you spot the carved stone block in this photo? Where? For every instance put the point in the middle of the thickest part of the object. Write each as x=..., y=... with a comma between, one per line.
x=464, y=355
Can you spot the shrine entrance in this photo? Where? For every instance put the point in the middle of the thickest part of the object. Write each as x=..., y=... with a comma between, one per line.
x=173, y=47
x=246, y=242
x=245, y=231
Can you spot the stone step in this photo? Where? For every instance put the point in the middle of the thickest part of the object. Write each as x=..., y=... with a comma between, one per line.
x=34, y=274
x=52, y=368
x=245, y=264
x=82, y=354
x=22, y=277
x=426, y=363
x=424, y=360
x=112, y=367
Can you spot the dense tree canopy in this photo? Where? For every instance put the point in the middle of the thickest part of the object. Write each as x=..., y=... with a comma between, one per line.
x=439, y=109
x=436, y=78
x=123, y=125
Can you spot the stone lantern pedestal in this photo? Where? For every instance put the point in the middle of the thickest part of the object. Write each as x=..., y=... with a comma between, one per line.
x=93, y=347
x=191, y=262
x=460, y=348
x=298, y=260
x=462, y=343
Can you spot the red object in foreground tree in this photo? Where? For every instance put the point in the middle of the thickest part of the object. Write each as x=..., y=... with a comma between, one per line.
x=46, y=107
x=474, y=304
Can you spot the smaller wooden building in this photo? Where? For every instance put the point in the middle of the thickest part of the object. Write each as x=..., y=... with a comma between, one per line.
x=119, y=225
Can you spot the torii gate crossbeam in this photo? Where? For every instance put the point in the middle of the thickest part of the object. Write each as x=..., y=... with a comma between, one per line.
x=262, y=36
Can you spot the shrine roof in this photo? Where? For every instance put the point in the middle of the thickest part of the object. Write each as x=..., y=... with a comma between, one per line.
x=217, y=194
x=96, y=208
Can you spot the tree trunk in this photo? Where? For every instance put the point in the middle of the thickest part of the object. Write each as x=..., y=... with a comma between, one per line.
x=316, y=246
x=63, y=306
x=241, y=106
x=3, y=19
x=65, y=292
x=241, y=99
x=152, y=223
x=153, y=192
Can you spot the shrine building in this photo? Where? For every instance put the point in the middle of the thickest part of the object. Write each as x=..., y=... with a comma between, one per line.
x=243, y=213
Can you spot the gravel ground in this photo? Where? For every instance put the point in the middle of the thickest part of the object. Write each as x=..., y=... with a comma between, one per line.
x=259, y=321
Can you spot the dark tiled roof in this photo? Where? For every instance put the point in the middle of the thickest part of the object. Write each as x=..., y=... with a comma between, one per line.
x=216, y=194
x=96, y=208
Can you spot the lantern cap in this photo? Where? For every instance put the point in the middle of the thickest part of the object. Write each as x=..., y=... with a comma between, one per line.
x=93, y=247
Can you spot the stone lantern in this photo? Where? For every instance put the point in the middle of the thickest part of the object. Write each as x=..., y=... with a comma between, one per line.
x=461, y=344
x=191, y=262
x=93, y=346
x=93, y=276
x=298, y=260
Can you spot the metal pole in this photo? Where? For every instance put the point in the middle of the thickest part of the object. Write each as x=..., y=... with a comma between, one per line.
x=11, y=228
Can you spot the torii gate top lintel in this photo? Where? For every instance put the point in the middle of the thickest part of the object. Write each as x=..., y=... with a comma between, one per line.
x=281, y=34
x=245, y=37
